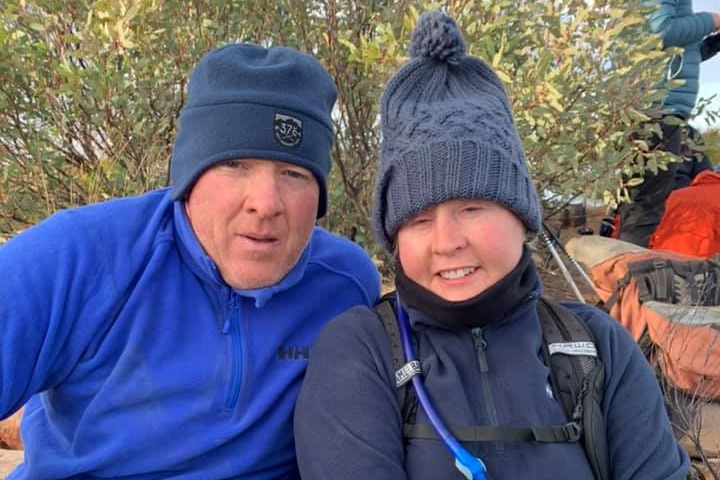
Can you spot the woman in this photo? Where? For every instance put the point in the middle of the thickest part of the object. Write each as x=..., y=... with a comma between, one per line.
x=454, y=202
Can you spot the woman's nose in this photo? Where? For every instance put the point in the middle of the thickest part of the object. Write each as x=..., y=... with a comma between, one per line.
x=448, y=235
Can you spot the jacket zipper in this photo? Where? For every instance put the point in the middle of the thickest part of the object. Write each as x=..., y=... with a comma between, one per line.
x=232, y=328
x=480, y=346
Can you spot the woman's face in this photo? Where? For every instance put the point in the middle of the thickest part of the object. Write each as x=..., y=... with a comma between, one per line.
x=459, y=248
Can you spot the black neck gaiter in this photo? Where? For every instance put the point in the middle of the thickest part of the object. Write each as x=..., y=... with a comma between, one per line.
x=490, y=306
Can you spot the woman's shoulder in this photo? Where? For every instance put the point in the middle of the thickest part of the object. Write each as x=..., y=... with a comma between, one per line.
x=359, y=325
x=615, y=345
x=354, y=341
x=598, y=321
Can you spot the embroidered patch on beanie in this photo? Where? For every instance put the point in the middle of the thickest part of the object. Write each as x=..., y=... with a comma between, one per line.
x=287, y=130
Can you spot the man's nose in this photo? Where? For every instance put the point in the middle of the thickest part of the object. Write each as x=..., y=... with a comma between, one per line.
x=265, y=196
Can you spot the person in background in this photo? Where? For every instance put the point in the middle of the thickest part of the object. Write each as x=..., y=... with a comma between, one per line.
x=166, y=335
x=690, y=222
x=694, y=162
x=696, y=34
x=454, y=202
x=694, y=159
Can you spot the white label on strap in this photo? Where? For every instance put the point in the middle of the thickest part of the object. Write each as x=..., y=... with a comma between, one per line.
x=404, y=374
x=573, y=348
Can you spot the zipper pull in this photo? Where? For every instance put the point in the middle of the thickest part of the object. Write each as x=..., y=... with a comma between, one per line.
x=480, y=346
x=232, y=303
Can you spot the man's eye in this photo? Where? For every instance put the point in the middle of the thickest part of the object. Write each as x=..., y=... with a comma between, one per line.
x=297, y=174
x=233, y=164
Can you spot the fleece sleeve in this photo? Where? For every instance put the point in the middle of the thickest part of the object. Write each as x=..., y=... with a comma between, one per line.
x=50, y=281
x=641, y=444
x=347, y=419
x=676, y=30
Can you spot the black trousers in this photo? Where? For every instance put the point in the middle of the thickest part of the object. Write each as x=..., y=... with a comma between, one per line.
x=639, y=219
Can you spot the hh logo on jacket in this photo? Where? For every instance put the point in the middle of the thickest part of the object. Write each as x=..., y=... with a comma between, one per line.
x=293, y=353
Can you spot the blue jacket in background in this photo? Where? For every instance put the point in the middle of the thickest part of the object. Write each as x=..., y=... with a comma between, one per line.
x=348, y=422
x=138, y=362
x=679, y=26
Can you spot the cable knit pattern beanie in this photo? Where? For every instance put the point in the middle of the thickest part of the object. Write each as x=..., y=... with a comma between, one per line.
x=245, y=101
x=447, y=133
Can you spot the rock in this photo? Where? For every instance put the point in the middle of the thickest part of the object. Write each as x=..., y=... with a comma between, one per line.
x=10, y=432
x=709, y=434
x=9, y=459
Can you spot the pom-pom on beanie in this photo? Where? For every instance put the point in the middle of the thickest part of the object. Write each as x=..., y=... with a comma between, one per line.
x=246, y=101
x=447, y=133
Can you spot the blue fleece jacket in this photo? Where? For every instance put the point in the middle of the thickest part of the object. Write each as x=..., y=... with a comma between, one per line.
x=679, y=26
x=348, y=422
x=138, y=362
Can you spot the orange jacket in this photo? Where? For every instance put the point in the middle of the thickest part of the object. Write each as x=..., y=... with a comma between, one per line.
x=691, y=223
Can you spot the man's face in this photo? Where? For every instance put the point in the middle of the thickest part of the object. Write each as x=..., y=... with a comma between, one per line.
x=254, y=217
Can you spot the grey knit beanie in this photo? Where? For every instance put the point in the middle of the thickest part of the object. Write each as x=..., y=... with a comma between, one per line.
x=247, y=101
x=447, y=133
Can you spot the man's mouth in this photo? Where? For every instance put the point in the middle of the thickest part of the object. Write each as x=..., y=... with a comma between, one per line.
x=268, y=239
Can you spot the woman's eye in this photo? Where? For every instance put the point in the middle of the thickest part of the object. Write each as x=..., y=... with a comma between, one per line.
x=419, y=221
x=472, y=207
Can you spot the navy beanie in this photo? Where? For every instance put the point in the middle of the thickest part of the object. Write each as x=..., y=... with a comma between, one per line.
x=447, y=133
x=246, y=101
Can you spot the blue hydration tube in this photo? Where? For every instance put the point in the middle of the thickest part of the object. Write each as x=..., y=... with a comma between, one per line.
x=470, y=466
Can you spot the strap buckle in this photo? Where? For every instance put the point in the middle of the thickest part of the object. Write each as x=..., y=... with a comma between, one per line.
x=572, y=431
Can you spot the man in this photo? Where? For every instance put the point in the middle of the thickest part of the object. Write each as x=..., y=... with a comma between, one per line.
x=166, y=335
x=678, y=26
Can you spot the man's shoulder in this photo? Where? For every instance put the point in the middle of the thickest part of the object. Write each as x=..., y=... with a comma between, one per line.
x=141, y=204
x=329, y=247
x=340, y=256
x=106, y=220
x=105, y=228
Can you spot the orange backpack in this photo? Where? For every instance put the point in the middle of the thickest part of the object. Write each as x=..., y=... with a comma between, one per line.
x=669, y=300
x=691, y=222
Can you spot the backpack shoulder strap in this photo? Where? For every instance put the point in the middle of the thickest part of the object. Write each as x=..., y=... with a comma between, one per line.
x=577, y=378
x=385, y=309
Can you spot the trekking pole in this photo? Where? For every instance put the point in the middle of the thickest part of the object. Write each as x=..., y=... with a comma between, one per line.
x=562, y=266
x=555, y=240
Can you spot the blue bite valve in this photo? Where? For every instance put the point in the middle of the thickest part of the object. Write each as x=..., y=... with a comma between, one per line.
x=471, y=467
